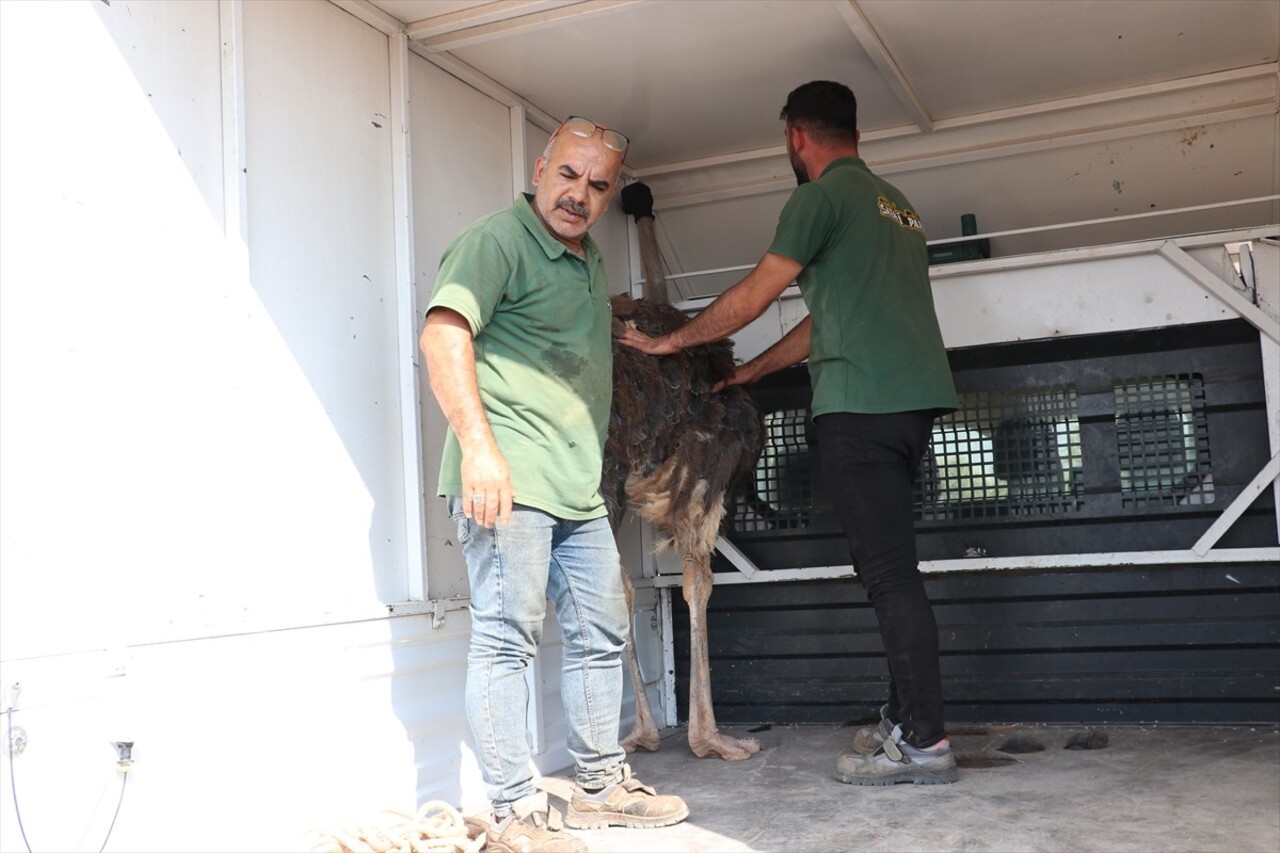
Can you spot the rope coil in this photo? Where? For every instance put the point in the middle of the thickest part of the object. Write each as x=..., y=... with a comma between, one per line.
x=437, y=827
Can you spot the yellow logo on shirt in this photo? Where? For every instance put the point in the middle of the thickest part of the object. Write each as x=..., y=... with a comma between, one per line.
x=904, y=218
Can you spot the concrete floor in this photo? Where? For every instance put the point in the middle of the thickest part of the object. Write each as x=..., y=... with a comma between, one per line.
x=1151, y=788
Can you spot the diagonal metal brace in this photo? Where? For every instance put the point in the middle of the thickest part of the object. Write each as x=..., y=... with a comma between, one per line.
x=740, y=561
x=1238, y=506
x=1220, y=290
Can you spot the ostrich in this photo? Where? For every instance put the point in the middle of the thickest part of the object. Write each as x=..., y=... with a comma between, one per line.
x=676, y=452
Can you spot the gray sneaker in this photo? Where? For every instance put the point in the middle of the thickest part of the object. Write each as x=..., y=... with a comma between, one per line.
x=896, y=762
x=867, y=740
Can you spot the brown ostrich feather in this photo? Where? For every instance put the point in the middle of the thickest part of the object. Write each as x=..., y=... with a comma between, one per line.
x=676, y=452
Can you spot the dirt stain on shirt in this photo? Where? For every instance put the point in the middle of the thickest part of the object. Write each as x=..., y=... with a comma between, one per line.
x=563, y=362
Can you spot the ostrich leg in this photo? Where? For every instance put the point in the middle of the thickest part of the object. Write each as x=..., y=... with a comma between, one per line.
x=704, y=739
x=644, y=735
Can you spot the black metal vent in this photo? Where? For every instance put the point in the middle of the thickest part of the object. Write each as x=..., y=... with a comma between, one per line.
x=1004, y=453
x=1163, y=439
x=1092, y=444
x=784, y=487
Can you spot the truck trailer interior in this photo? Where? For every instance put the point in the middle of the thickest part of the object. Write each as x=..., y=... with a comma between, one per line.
x=219, y=534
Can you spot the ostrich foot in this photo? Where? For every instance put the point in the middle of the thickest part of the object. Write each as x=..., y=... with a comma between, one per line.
x=646, y=739
x=723, y=746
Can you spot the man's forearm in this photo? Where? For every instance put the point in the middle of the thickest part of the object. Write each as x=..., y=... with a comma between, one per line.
x=740, y=304
x=487, y=495
x=793, y=348
x=451, y=368
x=728, y=314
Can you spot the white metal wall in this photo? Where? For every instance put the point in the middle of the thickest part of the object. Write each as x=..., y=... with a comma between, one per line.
x=461, y=171
x=204, y=512
x=318, y=190
x=204, y=425
x=202, y=509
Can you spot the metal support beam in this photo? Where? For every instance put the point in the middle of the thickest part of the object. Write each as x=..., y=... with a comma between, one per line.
x=1036, y=561
x=370, y=14
x=740, y=560
x=407, y=320
x=1219, y=289
x=1103, y=220
x=522, y=23
x=235, y=225
x=668, y=657
x=486, y=13
x=1056, y=257
x=1271, y=380
x=519, y=164
x=1233, y=512
x=884, y=62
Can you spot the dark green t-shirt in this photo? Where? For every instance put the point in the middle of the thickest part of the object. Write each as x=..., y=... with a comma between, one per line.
x=875, y=346
x=540, y=319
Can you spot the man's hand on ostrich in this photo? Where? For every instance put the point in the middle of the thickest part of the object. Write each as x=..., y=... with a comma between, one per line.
x=743, y=374
x=638, y=340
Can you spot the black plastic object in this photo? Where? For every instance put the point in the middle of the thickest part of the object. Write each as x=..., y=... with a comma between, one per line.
x=637, y=200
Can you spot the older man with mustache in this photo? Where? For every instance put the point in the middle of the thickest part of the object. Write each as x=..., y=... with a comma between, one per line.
x=517, y=344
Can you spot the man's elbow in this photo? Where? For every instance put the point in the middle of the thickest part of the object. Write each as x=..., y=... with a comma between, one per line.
x=442, y=327
x=428, y=331
x=750, y=308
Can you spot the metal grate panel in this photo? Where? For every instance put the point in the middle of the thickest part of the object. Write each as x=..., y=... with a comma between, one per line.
x=1061, y=446
x=1162, y=439
x=1004, y=453
x=784, y=490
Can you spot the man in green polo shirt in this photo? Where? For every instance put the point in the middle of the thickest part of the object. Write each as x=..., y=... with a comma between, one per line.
x=879, y=370
x=518, y=347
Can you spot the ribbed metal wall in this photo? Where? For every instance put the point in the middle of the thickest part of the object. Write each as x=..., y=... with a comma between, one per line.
x=1157, y=644
x=1112, y=443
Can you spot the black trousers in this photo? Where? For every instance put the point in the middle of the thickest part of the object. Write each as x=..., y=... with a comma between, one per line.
x=869, y=464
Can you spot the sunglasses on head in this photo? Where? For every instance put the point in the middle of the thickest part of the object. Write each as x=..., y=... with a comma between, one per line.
x=613, y=140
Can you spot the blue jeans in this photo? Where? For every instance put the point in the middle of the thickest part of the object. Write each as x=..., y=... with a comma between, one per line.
x=514, y=569
x=869, y=463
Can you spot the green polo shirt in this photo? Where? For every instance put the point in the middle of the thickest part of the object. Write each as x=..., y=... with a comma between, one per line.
x=875, y=346
x=540, y=319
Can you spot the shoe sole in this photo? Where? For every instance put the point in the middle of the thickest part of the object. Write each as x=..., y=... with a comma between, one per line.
x=604, y=821
x=914, y=778
x=492, y=846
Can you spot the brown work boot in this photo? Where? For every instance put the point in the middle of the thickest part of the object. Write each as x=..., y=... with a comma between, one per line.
x=628, y=803
x=533, y=827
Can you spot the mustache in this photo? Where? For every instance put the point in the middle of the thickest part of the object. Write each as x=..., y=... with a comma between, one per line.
x=573, y=207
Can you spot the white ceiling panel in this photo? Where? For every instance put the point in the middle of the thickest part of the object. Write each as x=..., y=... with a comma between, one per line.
x=1025, y=112
x=976, y=56
x=687, y=79
x=409, y=11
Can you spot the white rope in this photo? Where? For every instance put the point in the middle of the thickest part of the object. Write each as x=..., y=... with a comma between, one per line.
x=437, y=828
